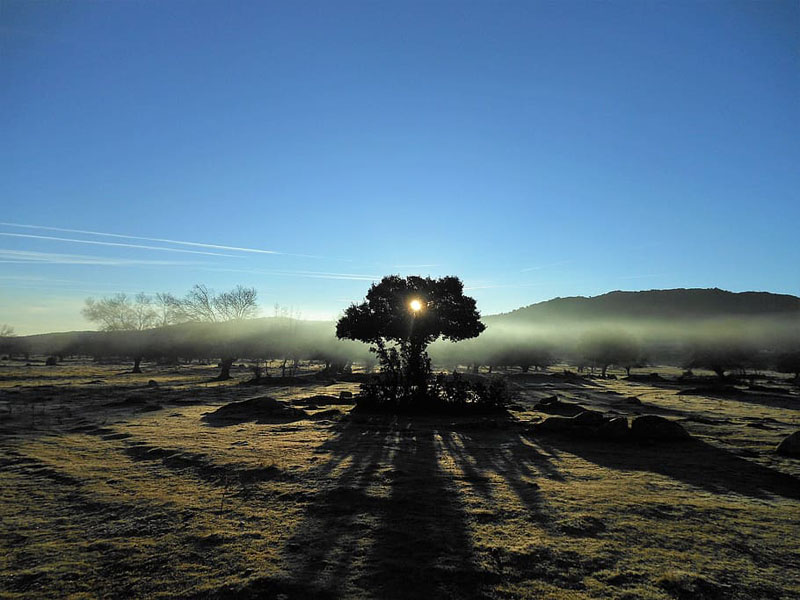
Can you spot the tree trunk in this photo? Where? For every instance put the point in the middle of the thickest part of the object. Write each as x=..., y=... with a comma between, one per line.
x=628, y=371
x=605, y=368
x=136, y=362
x=225, y=365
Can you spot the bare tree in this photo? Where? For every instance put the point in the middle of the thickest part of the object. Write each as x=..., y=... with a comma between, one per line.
x=168, y=308
x=202, y=304
x=123, y=313
x=6, y=330
x=198, y=305
x=239, y=303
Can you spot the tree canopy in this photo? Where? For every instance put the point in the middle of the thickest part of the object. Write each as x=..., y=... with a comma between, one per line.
x=388, y=315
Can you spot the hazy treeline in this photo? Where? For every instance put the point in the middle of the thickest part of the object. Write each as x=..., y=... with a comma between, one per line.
x=252, y=339
x=723, y=346
x=710, y=329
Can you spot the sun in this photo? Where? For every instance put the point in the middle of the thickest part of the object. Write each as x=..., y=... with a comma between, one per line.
x=415, y=305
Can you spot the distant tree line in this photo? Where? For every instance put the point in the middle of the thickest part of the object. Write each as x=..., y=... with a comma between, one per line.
x=210, y=326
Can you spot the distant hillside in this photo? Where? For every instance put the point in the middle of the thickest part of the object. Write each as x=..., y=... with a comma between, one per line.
x=656, y=304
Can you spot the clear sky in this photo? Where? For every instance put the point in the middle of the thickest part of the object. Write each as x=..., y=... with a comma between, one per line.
x=535, y=149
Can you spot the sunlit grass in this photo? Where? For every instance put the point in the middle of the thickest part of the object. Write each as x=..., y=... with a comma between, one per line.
x=115, y=500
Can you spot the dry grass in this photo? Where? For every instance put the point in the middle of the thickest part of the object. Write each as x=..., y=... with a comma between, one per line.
x=117, y=489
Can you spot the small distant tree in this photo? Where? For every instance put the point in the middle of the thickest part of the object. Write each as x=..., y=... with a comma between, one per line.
x=604, y=349
x=411, y=313
x=8, y=343
x=789, y=362
x=720, y=357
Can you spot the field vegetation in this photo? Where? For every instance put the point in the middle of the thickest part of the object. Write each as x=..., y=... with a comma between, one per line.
x=121, y=484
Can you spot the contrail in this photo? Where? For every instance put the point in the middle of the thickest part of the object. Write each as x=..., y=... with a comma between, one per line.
x=31, y=257
x=307, y=274
x=119, y=244
x=152, y=239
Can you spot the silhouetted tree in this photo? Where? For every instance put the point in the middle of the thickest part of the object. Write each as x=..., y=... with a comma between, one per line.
x=411, y=312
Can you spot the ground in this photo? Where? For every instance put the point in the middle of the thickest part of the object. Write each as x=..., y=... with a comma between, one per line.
x=111, y=486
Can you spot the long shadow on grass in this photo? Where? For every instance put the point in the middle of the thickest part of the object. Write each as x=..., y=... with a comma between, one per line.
x=694, y=462
x=390, y=522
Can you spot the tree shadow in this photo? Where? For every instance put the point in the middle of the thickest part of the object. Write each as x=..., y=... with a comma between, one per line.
x=694, y=462
x=511, y=456
x=390, y=520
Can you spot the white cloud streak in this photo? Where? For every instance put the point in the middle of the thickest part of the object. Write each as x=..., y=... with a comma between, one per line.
x=308, y=274
x=116, y=244
x=161, y=240
x=53, y=258
x=547, y=266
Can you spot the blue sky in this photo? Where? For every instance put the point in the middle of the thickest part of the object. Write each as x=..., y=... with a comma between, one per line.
x=535, y=149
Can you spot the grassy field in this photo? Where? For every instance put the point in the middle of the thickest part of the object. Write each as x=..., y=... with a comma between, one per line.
x=111, y=486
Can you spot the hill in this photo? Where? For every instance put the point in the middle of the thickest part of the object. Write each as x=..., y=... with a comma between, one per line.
x=656, y=304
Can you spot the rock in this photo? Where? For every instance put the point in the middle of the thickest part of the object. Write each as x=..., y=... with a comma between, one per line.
x=585, y=424
x=262, y=409
x=51, y=361
x=589, y=418
x=152, y=383
x=655, y=428
x=645, y=378
x=615, y=429
x=557, y=424
x=344, y=395
x=554, y=406
x=790, y=446
x=316, y=401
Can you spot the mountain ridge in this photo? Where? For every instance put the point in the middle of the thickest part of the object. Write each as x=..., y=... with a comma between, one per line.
x=690, y=303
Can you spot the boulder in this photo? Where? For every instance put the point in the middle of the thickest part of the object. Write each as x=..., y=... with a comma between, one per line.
x=263, y=409
x=790, y=446
x=315, y=401
x=585, y=424
x=615, y=429
x=589, y=418
x=554, y=406
x=659, y=429
x=557, y=424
